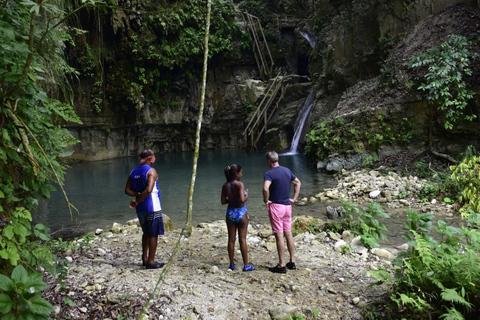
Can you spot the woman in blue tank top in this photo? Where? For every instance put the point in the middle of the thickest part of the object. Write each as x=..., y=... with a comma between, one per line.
x=235, y=195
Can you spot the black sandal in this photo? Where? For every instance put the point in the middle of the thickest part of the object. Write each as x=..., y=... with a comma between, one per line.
x=156, y=265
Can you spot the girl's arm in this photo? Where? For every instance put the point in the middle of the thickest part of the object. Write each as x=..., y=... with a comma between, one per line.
x=224, y=199
x=243, y=193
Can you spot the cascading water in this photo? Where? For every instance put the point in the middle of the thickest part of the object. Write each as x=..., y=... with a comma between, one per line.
x=307, y=107
x=301, y=120
x=309, y=38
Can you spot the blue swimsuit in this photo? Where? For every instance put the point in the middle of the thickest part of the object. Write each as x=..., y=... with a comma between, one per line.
x=235, y=214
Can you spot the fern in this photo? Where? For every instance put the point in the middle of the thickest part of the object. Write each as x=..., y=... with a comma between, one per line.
x=453, y=296
x=452, y=314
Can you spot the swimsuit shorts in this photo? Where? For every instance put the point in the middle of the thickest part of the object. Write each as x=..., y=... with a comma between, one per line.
x=152, y=223
x=236, y=214
x=280, y=217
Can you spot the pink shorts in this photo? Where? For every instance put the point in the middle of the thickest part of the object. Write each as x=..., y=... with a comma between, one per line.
x=280, y=217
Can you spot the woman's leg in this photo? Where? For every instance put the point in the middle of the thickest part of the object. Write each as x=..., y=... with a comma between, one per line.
x=232, y=233
x=242, y=238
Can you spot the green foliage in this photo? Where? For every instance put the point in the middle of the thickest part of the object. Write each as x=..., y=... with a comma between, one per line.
x=20, y=296
x=443, y=81
x=32, y=141
x=184, y=25
x=168, y=48
x=436, y=277
x=314, y=227
x=466, y=176
x=364, y=222
x=360, y=133
x=369, y=160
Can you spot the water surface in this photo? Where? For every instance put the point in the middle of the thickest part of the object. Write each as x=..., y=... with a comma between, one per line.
x=97, y=189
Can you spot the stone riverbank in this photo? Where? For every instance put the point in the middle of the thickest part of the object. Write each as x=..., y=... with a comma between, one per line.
x=106, y=280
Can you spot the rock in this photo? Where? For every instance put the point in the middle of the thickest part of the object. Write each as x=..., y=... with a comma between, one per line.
x=282, y=312
x=265, y=233
x=167, y=223
x=307, y=311
x=348, y=236
x=214, y=269
x=301, y=223
x=133, y=222
x=333, y=213
x=271, y=246
x=101, y=252
x=340, y=246
x=334, y=236
x=69, y=259
x=404, y=202
x=357, y=245
x=332, y=194
x=374, y=194
x=355, y=300
x=403, y=247
x=116, y=228
x=312, y=199
x=383, y=253
x=98, y=231
x=374, y=173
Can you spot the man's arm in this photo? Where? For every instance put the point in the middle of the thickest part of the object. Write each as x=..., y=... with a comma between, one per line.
x=296, y=189
x=129, y=189
x=151, y=178
x=266, y=187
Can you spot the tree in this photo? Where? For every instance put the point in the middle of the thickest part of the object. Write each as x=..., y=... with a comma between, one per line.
x=33, y=104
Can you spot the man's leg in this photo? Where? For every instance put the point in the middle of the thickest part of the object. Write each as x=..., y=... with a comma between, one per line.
x=290, y=245
x=144, y=247
x=152, y=248
x=280, y=249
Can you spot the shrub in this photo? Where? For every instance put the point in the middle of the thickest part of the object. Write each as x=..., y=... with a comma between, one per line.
x=466, y=176
x=436, y=278
x=364, y=222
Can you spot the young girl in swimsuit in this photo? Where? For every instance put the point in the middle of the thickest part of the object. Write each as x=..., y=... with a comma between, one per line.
x=235, y=195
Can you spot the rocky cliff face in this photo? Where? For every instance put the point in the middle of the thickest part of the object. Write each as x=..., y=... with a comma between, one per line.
x=356, y=46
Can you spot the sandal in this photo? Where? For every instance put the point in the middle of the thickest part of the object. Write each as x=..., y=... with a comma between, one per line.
x=291, y=266
x=248, y=268
x=156, y=265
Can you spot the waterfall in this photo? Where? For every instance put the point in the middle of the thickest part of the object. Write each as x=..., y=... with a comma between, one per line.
x=311, y=39
x=307, y=107
x=301, y=120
